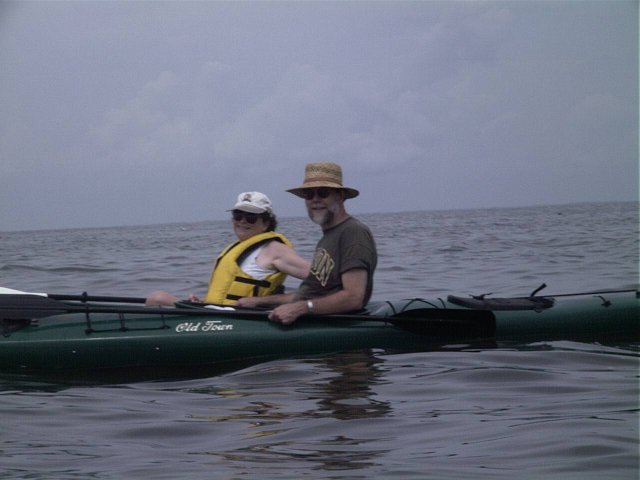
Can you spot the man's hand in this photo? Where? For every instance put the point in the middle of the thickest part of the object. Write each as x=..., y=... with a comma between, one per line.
x=288, y=313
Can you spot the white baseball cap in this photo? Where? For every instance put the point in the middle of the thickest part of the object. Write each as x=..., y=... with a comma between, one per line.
x=253, y=202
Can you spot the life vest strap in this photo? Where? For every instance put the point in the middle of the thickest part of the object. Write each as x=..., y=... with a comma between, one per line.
x=257, y=284
x=253, y=281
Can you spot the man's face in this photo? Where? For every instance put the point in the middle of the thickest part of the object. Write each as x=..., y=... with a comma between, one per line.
x=323, y=204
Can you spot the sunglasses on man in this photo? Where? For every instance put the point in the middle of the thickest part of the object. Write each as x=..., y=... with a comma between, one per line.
x=322, y=192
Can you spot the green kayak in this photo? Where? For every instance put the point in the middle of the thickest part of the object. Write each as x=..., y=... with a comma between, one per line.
x=47, y=334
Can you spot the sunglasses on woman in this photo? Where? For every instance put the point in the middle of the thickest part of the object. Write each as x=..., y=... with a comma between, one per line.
x=251, y=218
x=322, y=192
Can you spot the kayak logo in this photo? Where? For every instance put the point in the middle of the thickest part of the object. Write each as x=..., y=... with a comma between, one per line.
x=208, y=326
x=322, y=266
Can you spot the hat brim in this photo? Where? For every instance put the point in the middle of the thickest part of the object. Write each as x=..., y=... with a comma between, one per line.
x=249, y=208
x=348, y=192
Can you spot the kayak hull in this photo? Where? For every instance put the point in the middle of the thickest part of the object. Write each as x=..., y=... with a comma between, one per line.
x=61, y=342
x=66, y=342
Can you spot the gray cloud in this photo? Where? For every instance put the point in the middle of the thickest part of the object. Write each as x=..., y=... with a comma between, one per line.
x=142, y=112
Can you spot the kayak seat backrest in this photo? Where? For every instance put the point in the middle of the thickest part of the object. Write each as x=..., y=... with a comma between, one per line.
x=523, y=303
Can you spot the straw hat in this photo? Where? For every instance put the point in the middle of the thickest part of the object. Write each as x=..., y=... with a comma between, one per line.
x=324, y=174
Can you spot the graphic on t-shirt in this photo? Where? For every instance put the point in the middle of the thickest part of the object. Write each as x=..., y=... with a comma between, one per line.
x=322, y=266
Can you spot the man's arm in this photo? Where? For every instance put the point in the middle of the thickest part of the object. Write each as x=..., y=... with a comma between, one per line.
x=351, y=297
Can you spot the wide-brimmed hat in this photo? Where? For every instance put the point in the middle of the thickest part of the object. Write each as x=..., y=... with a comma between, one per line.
x=325, y=174
x=253, y=202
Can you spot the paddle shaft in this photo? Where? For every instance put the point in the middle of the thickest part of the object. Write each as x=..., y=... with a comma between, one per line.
x=33, y=306
x=96, y=298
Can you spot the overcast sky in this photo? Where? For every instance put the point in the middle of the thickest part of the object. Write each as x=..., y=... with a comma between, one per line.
x=122, y=113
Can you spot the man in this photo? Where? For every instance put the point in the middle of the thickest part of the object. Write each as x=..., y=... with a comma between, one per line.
x=341, y=275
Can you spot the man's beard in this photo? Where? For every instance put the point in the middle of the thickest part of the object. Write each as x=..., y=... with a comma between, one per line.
x=322, y=217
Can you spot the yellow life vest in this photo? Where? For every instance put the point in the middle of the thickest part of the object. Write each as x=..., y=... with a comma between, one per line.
x=229, y=283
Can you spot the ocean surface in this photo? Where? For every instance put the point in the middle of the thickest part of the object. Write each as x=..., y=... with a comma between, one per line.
x=562, y=410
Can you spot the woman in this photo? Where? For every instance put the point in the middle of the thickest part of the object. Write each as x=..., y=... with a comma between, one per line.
x=256, y=264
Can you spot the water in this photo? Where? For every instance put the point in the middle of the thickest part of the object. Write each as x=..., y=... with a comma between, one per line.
x=544, y=410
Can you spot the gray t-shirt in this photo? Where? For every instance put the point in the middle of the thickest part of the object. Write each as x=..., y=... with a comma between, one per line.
x=345, y=247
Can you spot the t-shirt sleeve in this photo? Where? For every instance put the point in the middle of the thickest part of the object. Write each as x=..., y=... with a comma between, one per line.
x=359, y=250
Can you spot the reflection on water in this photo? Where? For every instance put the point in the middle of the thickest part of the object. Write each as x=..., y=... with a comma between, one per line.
x=341, y=390
x=348, y=394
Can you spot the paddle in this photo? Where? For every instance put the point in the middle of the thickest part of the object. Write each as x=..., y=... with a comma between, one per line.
x=97, y=298
x=84, y=297
x=422, y=320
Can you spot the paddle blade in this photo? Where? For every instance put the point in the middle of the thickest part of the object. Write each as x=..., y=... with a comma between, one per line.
x=19, y=307
x=447, y=323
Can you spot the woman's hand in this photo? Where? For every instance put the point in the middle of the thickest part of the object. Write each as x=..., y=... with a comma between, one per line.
x=248, y=302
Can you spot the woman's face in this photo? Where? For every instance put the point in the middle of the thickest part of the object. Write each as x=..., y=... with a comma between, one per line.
x=246, y=225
